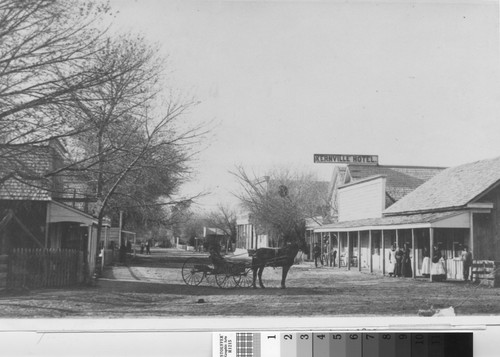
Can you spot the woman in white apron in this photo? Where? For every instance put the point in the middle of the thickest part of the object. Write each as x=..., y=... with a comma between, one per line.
x=426, y=263
x=392, y=260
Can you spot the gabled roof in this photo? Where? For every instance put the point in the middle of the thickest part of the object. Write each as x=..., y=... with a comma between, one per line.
x=401, y=180
x=25, y=169
x=210, y=231
x=22, y=171
x=453, y=188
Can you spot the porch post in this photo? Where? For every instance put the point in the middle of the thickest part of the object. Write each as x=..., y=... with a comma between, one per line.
x=120, y=230
x=340, y=246
x=370, y=249
x=89, y=253
x=47, y=225
x=397, y=238
x=348, y=251
x=383, y=251
x=311, y=244
x=321, y=244
x=431, y=239
x=105, y=244
x=414, y=270
x=359, y=251
x=330, y=245
x=471, y=233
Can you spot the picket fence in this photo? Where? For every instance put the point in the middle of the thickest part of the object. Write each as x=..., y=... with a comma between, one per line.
x=44, y=268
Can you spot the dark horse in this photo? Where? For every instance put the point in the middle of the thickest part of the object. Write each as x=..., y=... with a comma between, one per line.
x=274, y=257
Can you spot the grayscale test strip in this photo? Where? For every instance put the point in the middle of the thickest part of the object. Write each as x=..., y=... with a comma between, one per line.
x=342, y=344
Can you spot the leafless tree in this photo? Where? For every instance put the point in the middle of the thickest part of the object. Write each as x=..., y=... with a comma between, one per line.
x=132, y=149
x=280, y=202
x=224, y=219
x=45, y=46
x=62, y=76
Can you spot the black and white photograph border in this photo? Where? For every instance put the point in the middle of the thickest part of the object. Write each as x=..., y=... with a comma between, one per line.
x=305, y=164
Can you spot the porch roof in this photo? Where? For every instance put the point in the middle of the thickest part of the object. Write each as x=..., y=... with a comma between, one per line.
x=449, y=219
x=59, y=212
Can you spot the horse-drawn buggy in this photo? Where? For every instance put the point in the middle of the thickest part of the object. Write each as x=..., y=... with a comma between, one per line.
x=218, y=271
x=232, y=273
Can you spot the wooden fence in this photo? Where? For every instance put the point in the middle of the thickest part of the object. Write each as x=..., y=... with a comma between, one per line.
x=44, y=268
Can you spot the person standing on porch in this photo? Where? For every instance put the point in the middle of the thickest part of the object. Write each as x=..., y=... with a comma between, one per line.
x=392, y=260
x=467, y=259
x=399, y=262
x=406, y=261
x=426, y=263
x=317, y=254
x=438, y=270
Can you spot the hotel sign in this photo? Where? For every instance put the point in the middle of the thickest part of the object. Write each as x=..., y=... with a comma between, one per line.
x=346, y=159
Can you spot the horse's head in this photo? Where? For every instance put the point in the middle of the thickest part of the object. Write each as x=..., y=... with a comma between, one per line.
x=302, y=245
x=292, y=249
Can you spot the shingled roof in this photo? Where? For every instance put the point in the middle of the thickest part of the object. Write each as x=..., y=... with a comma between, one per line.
x=22, y=174
x=453, y=188
x=401, y=180
x=387, y=221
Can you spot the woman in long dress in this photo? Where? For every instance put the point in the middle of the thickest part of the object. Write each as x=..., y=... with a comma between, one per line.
x=399, y=262
x=438, y=270
x=392, y=260
x=406, y=270
x=426, y=263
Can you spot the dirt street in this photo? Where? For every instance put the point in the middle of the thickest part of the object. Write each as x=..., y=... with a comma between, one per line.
x=152, y=286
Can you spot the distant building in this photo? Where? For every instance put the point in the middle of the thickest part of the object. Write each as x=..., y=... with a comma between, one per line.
x=247, y=236
x=216, y=236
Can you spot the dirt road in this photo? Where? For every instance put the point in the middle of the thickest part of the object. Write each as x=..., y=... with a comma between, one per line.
x=152, y=286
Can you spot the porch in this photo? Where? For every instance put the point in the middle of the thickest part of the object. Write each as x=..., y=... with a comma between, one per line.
x=365, y=244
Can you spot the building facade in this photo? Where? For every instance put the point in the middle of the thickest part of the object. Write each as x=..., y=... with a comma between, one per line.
x=34, y=206
x=457, y=207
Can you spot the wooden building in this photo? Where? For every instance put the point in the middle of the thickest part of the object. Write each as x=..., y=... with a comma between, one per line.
x=459, y=206
x=399, y=180
x=34, y=213
x=247, y=236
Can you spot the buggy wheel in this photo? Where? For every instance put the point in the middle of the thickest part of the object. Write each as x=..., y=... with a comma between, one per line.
x=227, y=279
x=210, y=279
x=193, y=272
x=246, y=278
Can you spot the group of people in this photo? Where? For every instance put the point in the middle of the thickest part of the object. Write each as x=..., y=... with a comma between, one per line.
x=146, y=246
x=327, y=257
x=434, y=265
x=400, y=261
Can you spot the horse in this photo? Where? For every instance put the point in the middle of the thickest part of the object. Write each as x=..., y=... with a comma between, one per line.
x=273, y=257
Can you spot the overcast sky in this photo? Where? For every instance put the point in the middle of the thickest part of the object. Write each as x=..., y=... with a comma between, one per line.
x=414, y=82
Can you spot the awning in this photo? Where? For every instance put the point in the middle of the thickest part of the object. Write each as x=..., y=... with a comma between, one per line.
x=58, y=212
x=453, y=219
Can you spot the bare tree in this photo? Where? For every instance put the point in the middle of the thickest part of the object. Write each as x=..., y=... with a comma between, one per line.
x=132, y=150
x=44, y=50
x=224, y=219
x=280, y=202
x=61, y=77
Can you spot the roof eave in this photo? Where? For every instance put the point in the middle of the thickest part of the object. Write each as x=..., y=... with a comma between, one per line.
x=423, y=211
